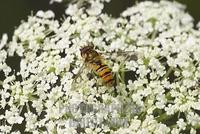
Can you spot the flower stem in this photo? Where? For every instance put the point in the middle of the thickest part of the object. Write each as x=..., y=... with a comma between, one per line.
x=123, y=75
x=1, y=82
x=153, y=36
x=163, y=117
x=168, y=72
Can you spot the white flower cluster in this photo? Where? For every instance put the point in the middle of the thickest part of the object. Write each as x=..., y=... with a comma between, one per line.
x=157, y=92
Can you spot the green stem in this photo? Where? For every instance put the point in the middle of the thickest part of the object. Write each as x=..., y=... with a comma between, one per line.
x=153, y=36
x=123, y=75
x=121, y=71
x=117, y=78
x=163, y=117
x=142, y=115
x=173, y=126
x=1, y=82
x=197, y=126
x=168, y=72
x=120, y=78
x=196, y=64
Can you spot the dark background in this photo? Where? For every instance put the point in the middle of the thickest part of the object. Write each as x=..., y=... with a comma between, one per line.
x=13, y=11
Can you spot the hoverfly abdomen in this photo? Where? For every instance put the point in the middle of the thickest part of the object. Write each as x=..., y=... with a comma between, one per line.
x=94, y=60
x=105, y=73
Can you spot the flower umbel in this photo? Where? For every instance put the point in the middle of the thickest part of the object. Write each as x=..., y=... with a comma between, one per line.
x=152, y=49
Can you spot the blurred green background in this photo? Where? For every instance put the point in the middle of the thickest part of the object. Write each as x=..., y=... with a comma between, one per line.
x=13, y=11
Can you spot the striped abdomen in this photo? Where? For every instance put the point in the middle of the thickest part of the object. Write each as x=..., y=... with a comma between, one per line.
x=104, y=72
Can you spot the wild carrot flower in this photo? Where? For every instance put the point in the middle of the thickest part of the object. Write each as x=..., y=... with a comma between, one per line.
x=152, y=49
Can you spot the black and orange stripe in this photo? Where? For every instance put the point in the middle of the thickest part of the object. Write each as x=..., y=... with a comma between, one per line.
x=94, y=60
x=105, y=73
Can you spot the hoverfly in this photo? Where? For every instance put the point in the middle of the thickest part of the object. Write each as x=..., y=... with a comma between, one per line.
x=94, y=61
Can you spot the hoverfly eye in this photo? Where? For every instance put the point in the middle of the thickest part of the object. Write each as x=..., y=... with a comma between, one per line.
x=90, y=55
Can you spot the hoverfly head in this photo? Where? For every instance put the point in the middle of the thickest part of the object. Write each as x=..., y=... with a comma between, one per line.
x=86, y=51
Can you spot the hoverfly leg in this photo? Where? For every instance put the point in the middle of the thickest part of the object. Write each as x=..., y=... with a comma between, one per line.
x=78, y=74
x=95, y=77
